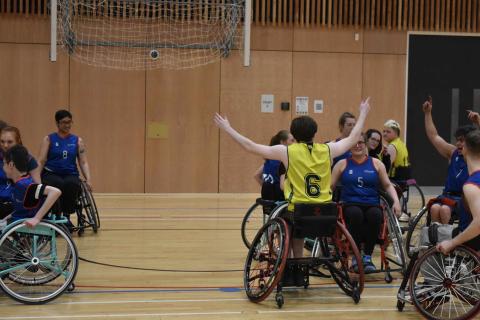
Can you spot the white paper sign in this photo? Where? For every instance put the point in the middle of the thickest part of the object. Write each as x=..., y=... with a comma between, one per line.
x=267, y=103
x=318, y=106
x=301, y=104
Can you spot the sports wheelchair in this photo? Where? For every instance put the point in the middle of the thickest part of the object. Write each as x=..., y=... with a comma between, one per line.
x=86, y=210
x=37, y=265
x=257, y=215
x=268, y=264
x=442, y=286
x=404, y=190
x=423, y=219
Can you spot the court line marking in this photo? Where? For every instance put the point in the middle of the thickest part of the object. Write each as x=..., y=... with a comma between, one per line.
x=125, y=315
x=329, y=310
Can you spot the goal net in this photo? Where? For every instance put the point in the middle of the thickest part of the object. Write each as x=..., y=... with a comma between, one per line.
x=149, y=34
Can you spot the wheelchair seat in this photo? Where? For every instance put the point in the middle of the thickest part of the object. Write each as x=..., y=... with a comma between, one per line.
x=315, y=220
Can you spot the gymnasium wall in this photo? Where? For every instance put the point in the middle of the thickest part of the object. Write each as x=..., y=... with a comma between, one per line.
x=113, y=110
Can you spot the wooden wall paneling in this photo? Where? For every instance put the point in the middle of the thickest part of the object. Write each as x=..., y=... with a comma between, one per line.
x=15, y=29
x=437, y=15
x=340, y=90
x=416, y=8
x=257, y=11
x=372, y=14
x=448, y=14
x=108, y=107
x=421, y=22
x=410, y=15
x=340, y=13
x=351, y=19
x=324, y=12
x=334, y=12
x=442, y=15
x=368, y=14
x=427, y=14
x=241, y=90
x=290, y=14
x=468, y=16
x=384, y=14
x=297, y=12
x=274, y=12
x=327, y=40
x=362, y=13
x=384, y=82
x=268, y=14
x=184, y=157
x=358, y=5
x=271, y=38
x=474, y=16
x=389, y=14
x=382, y=41
x=464, y=16
x=378, y=13
x=33, y=89
x=458, y=15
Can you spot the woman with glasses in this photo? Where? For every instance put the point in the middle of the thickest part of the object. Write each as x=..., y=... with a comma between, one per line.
x=376, y=149
x=58, y=159
x=361, y=177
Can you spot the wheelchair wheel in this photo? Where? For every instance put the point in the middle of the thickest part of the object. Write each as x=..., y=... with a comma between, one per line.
x=412, y=240
x=342, y=248
x=257, y=215
x=90, y=207
x=406, y=204
x=37, y=265
x=397, y=254
x=447, y=287
x=266, y=259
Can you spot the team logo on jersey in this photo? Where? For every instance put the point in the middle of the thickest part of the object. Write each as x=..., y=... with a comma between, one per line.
x=368, y=171
x=56, y=144
x=71, y=145
x=350, y=171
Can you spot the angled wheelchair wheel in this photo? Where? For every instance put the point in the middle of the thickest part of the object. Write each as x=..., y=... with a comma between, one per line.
x=396, y=252
x=257, y=215
x=447, y=287
x=412, y=239
x=36, y=265
x=407, y=204
x=266, y=259
x=341, y=248
x=90, y=207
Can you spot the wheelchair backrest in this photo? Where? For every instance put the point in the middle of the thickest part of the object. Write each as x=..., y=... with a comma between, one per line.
x=315, y=220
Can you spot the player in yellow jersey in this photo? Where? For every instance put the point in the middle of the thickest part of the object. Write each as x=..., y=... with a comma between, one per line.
x=400, y=168
x=308, y=164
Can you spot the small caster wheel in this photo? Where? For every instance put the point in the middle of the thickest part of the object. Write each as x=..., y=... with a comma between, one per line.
x=388, y=278
x=279, y=300
x=400, y=305
x=356, y=295
x=71, y=287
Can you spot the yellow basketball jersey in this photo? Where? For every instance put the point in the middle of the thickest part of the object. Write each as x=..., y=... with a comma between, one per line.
x=308, y=174
x=402, y=156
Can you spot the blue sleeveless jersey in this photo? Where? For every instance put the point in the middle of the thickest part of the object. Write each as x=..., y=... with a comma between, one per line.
x=18, y=197
x=62, y=154
x=360, y=183
x=270, y=172
x=457, y=174
x=5, y=185
x=466, y=217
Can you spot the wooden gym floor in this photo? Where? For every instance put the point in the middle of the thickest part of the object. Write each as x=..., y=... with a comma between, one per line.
x=190, y=233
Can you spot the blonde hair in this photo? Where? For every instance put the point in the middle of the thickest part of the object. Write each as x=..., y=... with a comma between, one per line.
x=394, y=125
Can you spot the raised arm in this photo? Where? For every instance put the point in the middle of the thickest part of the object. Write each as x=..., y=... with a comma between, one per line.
x=277, y=152
x=340, y=147
x=42, y=157
x=83, y=162
x=336, y=172
x=474, y=117
x=444, y=148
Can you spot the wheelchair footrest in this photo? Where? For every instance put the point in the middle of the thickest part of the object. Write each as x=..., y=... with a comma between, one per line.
x=295, y=275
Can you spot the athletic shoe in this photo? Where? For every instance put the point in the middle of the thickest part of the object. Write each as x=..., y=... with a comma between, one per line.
x=368, y=266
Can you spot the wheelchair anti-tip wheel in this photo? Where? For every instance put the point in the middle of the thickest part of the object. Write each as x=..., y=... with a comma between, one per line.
x=266, y=259
x=447, y=287
x=36, y=265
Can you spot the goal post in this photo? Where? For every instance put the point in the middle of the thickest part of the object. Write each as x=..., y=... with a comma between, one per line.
x=53, y=30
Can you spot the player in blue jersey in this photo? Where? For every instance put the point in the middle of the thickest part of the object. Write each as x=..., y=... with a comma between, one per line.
x=30, y=200
x=9, y=137
x=362, y=177
x=269, y=174
x=469, y=226
x=59, y=153
x=457, y=167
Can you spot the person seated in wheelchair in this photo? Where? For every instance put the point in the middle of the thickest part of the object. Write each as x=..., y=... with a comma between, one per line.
x=9, y=137
x=449, y=201
x=269, y=175
x=361, y=177
x=469, y=219
x=30, y=200
x=308, y=164
x=400, y=165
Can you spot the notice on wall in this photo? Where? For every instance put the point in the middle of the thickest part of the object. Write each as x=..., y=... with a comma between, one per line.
x=318, y=106
x=301, y=104
x=267, y=103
